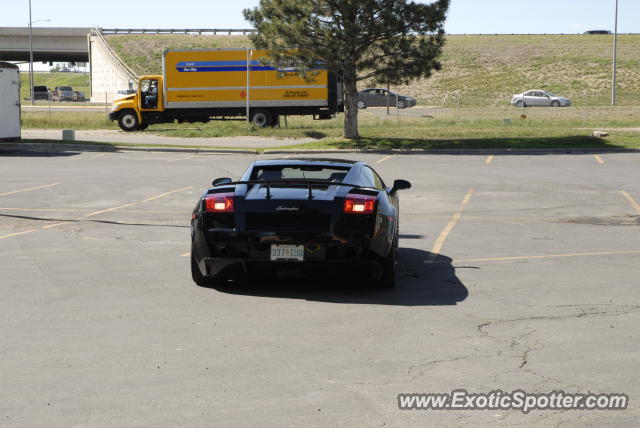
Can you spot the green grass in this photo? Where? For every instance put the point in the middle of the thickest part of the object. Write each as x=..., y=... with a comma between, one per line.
x=446, y=128
x=477, y=70
x=66, y=120
x=78, y=81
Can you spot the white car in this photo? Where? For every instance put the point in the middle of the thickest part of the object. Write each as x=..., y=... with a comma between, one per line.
x=539, y=98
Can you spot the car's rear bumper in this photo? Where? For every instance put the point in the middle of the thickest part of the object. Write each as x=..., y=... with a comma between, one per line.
x=313, y=268
x=230, y=253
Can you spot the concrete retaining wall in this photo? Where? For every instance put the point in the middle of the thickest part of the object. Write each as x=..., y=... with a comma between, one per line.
x=108, y=73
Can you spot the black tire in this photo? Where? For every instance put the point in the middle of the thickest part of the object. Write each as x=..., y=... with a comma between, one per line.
x=519, y=103
x=400, y=105
x=261, y=118
x=388, y=278
x=275, y=121
x=361, y=105
x=555, y=103
x=198, y=277
x=143, y=126
x=128, y=121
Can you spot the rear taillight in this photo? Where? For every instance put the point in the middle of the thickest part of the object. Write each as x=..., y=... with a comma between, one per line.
x=219, y=203
x=359, y=204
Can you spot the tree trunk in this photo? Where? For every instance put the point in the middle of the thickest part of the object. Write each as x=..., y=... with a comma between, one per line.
x=351, y=109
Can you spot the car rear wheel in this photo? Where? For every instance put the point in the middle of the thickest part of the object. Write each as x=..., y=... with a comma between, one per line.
x=388, y=278
x=261, y=118
x=199, y=278
x=555, y=104
x=128, y=121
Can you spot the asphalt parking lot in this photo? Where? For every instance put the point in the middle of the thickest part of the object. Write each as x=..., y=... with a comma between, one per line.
x=516, y=272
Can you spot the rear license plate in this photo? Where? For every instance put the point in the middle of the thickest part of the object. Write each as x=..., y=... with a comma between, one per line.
x=287, y=253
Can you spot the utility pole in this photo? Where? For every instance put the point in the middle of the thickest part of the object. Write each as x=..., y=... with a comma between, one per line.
x=30, y=56
x=615, y=57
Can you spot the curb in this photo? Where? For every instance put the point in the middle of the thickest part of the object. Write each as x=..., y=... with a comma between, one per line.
x=65, y=147
x=460, y=151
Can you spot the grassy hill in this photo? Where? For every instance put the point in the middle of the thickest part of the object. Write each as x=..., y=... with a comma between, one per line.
x=477, y=70
x=78, y=81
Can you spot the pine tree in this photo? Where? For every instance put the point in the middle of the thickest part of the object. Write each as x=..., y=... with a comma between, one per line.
x=387, y=41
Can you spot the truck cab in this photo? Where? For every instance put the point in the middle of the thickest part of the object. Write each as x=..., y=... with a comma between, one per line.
x=136, y=111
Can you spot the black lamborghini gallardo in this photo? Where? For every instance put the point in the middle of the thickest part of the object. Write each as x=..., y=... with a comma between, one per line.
x=297, y=217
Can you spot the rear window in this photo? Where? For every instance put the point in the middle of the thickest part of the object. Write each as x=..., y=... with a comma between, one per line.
x=299, y=172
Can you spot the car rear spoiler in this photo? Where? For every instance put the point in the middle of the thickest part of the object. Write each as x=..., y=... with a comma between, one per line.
x=308, y=183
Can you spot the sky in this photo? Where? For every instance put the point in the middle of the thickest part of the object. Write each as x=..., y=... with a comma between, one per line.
x=465, y=16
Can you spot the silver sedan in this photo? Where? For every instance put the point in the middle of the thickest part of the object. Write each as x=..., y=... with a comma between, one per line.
x=539, y=98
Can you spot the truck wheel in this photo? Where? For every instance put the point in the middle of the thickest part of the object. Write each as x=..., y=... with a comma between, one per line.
x=261, y=118
x=128, y=121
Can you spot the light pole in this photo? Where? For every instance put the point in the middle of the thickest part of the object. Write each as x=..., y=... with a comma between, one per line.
x=615, y=54
x=31, y=51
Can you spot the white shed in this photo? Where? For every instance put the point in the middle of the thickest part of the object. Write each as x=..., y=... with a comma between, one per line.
x=9, y=101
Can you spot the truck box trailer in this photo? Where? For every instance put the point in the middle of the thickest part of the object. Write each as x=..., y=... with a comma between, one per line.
x=204, y=85
x=9, y=101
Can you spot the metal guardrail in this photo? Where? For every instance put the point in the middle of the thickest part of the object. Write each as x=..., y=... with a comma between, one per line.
x=176, y=30
x=252, y=30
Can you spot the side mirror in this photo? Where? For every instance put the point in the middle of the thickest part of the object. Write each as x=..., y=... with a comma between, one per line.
x=221, y=181
x=400, y=185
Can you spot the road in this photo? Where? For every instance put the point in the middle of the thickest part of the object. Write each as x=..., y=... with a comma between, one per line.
x=516, y=272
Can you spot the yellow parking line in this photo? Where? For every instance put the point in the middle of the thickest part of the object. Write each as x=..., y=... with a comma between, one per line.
x=598, y=158
x=632, y=201
x=110, y=209
x=489, y=159
x=180, y=159
x=53, y=225
x=162, y=195
x=24, y=232
x=437, y=246
x=99, y=212
x=42, y=209
x=44, y=186
x=152, y=198
x=18, y=233
x=384, y=158
x=549, y=256
x=71, y=209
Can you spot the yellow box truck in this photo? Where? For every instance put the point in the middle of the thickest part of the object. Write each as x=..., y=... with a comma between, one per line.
x=204, y=85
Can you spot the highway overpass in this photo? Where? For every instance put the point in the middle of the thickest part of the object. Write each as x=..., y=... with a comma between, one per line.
x=63, y=44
